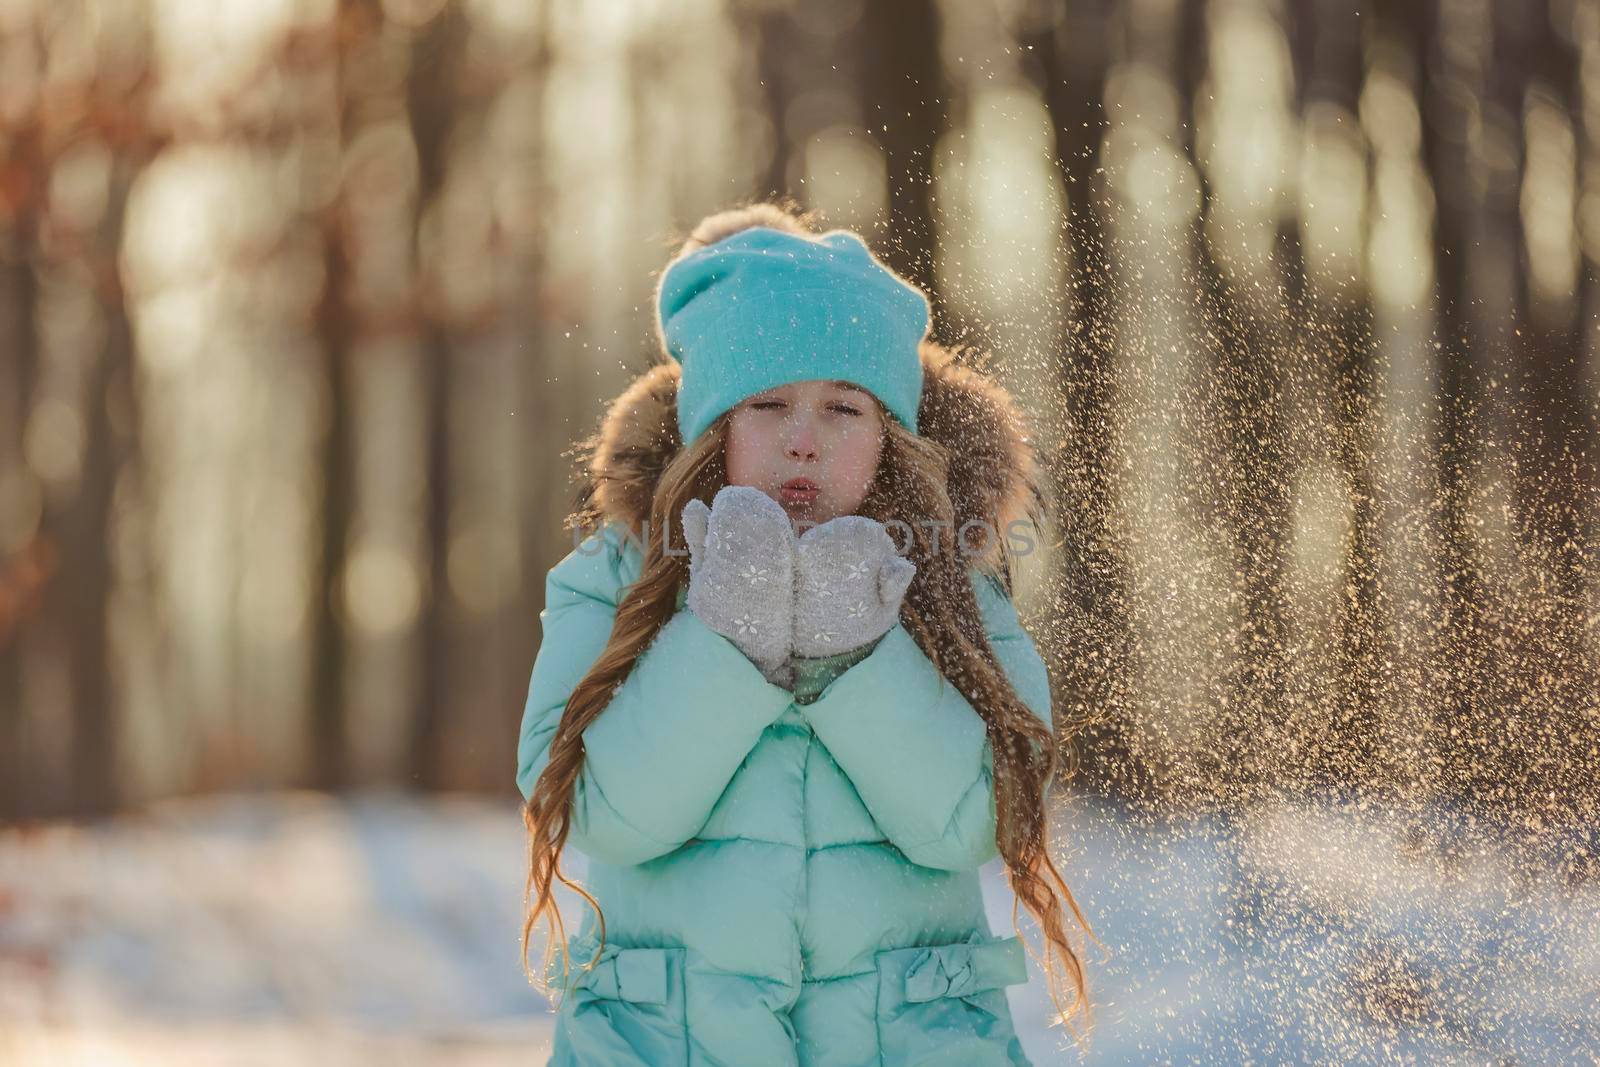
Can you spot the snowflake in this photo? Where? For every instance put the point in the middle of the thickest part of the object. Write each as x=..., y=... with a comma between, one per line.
x=825, y=636
x=754, y=574
x=858, y=609
x=746, y=625
x=857, y=570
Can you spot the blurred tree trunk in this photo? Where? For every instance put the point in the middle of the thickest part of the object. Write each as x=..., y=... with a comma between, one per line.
x=1249, y=332
x=329, y=648
x=1338, y=317
x=1555, y=472
x=1580, y=556
x=773, y=32
x=1072, y=61
x=1444, y=107
x=1578, y=561
x=431, y=90
x=1471, y=107
x=92, y=377
x=19, y=348
x=76, y=519
x=357, y=28
x=904, y=87
x=549, y=495
x=1508, y=733
x=83, y=529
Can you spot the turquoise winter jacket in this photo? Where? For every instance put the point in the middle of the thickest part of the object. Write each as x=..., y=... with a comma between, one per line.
x=787, y=877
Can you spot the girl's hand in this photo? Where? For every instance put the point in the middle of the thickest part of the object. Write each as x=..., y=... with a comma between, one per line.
x=850, y=583
x=741, y=574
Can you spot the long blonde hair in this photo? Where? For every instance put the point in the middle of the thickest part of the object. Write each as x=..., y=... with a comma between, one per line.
x=940, y=611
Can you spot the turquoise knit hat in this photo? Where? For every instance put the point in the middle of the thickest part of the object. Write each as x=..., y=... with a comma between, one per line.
x=762, y=308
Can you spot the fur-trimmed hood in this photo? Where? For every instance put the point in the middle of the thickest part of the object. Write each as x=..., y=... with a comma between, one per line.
x=994, y=473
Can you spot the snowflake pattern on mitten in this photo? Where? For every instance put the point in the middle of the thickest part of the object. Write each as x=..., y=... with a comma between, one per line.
x=849, y=585
x=741, y=548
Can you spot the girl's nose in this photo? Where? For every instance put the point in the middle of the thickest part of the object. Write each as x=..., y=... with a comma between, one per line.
x=802, y=441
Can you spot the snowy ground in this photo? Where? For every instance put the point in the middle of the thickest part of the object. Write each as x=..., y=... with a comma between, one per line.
x=287, y=928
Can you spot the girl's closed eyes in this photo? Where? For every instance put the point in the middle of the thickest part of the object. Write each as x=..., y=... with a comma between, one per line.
x=779, y=405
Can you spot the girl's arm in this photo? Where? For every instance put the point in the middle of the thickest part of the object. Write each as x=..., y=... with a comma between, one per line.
x=677, y=728
x=914, y=748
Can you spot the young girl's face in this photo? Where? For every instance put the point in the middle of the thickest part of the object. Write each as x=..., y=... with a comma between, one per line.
x=828, y=433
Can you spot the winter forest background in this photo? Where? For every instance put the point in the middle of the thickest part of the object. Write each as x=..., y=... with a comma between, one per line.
x=302, y=301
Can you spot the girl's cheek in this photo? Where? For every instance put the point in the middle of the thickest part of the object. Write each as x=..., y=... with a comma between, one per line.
x=864, y=463
x=742, y=456
x=856, y=477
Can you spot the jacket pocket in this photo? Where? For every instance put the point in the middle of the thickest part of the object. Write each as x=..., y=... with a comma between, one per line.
x=627, y=1009
x=946, y=1004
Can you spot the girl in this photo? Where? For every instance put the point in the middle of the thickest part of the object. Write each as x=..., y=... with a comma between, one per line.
x=786, y=747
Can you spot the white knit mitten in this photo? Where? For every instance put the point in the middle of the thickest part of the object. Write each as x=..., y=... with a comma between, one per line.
x=741, y=574
x=849, y=585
